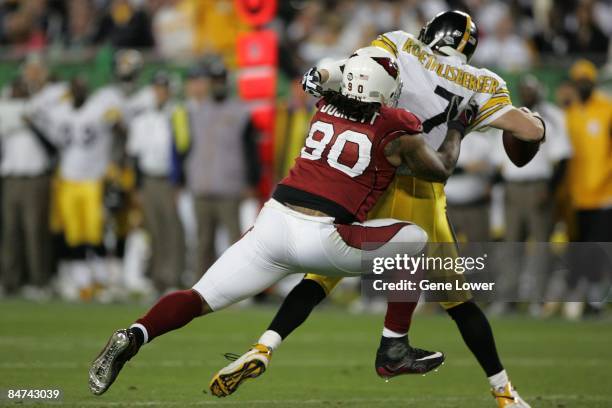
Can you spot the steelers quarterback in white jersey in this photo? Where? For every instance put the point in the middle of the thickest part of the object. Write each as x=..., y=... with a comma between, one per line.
x=435, y=72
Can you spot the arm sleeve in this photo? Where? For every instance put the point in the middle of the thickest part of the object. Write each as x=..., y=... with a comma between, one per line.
x=491, y=105
x=388, y=41
x=251, y=154
x=43, y=139
x=401, y=122
x=406, y=122
x=335, y=69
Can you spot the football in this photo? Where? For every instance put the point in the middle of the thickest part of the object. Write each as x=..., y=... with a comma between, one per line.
x=519, y=151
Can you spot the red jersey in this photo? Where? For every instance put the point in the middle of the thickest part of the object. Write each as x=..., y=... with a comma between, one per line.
x=343, y=161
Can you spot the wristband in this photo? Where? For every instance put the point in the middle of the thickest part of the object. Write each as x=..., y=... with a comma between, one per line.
x=458, y=126
x=543, y=139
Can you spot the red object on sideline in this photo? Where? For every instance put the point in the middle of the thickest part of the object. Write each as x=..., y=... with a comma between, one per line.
x=256, y=12
x=257, y=48
x=263, y=116
x=258, y=83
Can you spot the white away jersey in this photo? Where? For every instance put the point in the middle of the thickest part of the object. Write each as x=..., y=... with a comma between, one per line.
x=109, y=102
x=84, y=138
x=123, y=106
x=45, y=101
x=431, y=80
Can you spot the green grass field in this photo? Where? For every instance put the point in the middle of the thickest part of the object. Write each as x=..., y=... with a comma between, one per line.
x=328, y=362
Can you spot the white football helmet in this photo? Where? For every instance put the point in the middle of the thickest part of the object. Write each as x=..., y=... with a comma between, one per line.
x=372, y=75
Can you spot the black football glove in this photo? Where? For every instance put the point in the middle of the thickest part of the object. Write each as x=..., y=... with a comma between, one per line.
x=311, y=82
x=462, y=120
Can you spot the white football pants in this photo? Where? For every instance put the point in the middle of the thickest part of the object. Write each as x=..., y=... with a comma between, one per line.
x=284, y=241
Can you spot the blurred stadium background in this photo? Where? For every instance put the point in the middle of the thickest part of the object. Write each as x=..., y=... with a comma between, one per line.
x=131, y=197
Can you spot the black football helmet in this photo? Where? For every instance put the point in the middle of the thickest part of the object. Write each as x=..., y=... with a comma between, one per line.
x=451, y=32
x=127, y=64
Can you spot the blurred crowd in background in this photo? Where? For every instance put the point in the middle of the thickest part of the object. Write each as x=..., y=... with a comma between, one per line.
x=515, y=34
x=131, y=186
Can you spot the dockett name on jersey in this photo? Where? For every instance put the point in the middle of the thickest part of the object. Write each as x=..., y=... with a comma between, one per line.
x=332, y=110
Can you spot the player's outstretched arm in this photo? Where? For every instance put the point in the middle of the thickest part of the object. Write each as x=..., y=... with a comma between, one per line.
x=327, y=75
x=415, y=157
x=522, y=123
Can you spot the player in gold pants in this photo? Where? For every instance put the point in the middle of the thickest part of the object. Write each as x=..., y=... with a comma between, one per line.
x=414, y=200
x=423, y=203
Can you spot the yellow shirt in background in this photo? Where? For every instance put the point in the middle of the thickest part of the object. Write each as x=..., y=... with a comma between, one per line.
x=590, y=169
x=217, y=27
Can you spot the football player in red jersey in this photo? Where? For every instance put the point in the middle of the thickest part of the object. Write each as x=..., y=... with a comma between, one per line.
x=316, y=218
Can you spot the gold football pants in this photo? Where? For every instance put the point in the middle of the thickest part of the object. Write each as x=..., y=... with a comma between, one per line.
x=81, y=210
x=420, y=202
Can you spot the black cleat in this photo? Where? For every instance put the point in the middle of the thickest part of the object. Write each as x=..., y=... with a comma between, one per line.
x=121, y=347
x=396, y=357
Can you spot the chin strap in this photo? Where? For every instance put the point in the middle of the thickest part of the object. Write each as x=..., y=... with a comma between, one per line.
x=451, y=52
x=446, y=50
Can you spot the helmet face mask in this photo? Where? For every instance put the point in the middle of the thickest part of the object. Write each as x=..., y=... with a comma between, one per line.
x=372, y=75
x=394, y=98
x=451, y=33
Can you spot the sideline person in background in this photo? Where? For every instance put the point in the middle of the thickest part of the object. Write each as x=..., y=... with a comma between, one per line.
x=26, y=184
x=529, y=202
x=589, y=121
x=468, y=190
x=219, y=161
x=150, y=147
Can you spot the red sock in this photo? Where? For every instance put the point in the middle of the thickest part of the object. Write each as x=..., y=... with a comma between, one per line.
x=399, y=316
x=171, y=312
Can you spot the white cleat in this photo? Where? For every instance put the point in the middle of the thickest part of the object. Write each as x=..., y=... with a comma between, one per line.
x=507, y=397
x=251, y=364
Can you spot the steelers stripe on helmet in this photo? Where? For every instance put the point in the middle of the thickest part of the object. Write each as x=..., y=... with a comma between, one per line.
x=466, y=33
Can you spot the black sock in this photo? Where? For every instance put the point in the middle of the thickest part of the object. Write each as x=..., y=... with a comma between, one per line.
x=138, y=334
x=477, y=335
x=297, y=307
x=387, y=341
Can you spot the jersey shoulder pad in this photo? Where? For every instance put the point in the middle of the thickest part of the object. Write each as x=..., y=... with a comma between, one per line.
x=108, y=96
x=109, y=103
x=391, y=41
x=401, y=120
